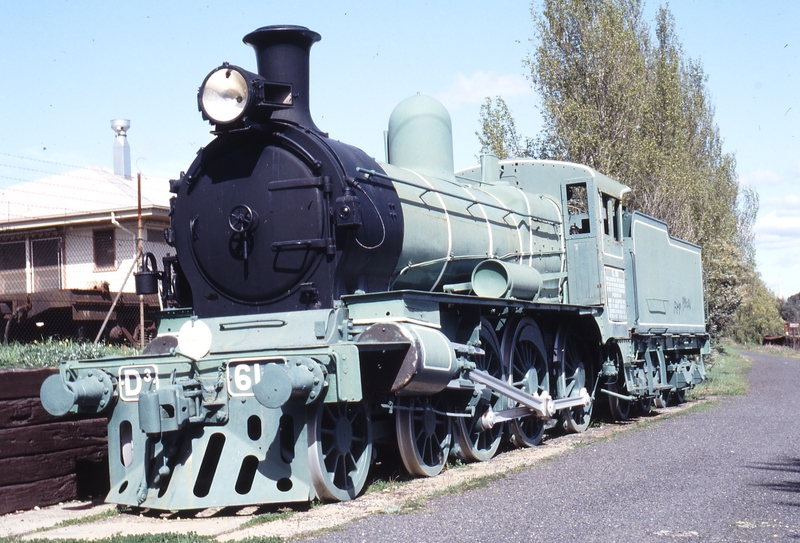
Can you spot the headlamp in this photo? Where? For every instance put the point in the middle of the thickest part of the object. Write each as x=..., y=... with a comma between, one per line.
x=229, y=94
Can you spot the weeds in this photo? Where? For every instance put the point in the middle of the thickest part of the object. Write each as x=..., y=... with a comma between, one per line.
x=51, y=351
x=139, y=538
x=726, y=376
x=381, y=485
x=281, y=514
x=88, y=519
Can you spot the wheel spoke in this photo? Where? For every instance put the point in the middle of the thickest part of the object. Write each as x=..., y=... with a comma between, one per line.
x=523, y=354
x=423, y=452
x=476, y=443
x=339, y=475
x=576, y=368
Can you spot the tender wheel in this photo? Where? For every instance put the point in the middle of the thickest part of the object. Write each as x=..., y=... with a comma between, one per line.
x=339, y=449
x=680, y=395
x=523, y=353
x=477, y=442
x=577, y=361
x=620, y=409
x=424, y=435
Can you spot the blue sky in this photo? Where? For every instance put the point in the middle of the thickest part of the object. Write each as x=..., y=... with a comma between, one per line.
x=69, y=67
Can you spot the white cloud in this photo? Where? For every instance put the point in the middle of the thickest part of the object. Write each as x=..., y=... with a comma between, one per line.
x=788, y=204
x=472, y=89
x=770, y=178
x=778, y=228
x=760, y=178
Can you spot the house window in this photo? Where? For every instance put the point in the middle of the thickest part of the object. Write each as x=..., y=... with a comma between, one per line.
x=12, y=267
x=105, y=255
x=154, y=234
x=30, y=265
x=46, y=260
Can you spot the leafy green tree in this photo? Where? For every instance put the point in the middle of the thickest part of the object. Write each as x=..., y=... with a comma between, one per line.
x=790, y=308
x=758, y=315
x=498, y=132
x=628, y=102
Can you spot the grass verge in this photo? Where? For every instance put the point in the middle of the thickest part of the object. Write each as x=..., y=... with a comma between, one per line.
x=772, y=350
x=726, y=374
x=144, y=538
x=416, y=503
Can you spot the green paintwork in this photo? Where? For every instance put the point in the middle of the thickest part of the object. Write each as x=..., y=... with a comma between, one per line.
x=219, y=443
x=420, y=137
x=642, y=280
x=498, y=279
x=667, y=283
x=219, y=411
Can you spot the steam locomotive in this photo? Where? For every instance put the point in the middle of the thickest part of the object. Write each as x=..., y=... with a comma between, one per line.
x=321, y=304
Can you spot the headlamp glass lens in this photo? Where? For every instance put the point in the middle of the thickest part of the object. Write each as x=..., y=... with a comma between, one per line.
x=225, y=95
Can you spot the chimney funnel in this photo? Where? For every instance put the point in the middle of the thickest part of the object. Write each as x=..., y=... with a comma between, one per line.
x=282, y=53
x=122, y=151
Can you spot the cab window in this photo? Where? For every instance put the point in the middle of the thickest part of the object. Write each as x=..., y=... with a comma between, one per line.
x=578, y=209
x=612, y=211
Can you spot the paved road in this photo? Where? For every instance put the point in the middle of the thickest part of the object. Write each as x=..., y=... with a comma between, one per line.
x=729, y=473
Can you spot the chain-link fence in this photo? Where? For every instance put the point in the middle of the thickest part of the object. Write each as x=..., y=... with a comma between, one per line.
x=63, y=281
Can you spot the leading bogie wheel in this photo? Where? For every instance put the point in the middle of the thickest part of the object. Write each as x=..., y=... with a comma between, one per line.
x=339, y=449
x=424, y=434
x=526, y=365
x=478, y=439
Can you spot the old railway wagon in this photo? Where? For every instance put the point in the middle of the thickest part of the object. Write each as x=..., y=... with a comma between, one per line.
x=324, y=303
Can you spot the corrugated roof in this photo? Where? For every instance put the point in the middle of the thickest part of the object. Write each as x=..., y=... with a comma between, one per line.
x=71, y=195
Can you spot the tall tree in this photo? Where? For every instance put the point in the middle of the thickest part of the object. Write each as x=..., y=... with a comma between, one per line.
x=498, y=132
x=632, y=105
x=590, y=70
x=790, y=308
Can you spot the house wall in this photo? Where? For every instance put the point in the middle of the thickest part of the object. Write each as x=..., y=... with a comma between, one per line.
x=81, y=270
x=76, y=264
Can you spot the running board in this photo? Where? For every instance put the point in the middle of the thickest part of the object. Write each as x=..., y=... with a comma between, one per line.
x=541, y=404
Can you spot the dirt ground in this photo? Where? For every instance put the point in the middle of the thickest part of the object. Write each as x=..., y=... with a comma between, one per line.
x=83, y=520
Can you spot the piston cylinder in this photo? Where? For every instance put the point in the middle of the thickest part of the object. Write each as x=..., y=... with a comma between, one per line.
x=429, y=363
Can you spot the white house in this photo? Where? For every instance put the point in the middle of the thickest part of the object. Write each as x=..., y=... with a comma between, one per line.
x=75, y=232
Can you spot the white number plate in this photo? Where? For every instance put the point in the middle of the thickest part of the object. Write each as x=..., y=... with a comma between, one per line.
x=135, y=379
x=243, y=374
